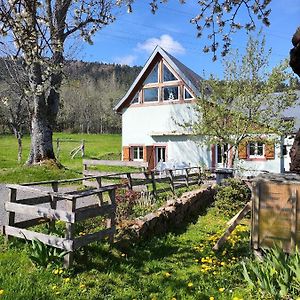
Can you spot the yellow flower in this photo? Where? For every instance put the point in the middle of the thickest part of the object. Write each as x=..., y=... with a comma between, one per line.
x=221, y=290
x=1, y=291
x=54, y=287
x=81, y=233
x=123, y=254
x=60, y=271
x=167, y=274
x=173, y=298
x=222, y=263
x=55, y=271
x=57, y=293
x=196, y=260
x=211, y=298
x=190, y=284
x=82, y=286
x=67, y=279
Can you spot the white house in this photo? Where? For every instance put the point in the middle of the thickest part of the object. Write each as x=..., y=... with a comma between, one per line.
x=160, y=99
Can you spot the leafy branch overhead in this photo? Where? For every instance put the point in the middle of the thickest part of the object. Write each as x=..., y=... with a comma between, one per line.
x=221, y=18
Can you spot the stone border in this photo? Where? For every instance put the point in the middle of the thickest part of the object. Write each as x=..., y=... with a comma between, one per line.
x=172, y=215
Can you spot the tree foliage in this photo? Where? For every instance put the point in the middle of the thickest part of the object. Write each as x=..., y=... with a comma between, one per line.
x=246, y=101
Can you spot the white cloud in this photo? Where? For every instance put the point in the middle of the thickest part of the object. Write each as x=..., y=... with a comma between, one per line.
x=165, y=41
x=126, y=60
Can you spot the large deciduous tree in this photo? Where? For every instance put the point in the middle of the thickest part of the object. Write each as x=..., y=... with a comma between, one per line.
x=246, y=103
x=38, y=31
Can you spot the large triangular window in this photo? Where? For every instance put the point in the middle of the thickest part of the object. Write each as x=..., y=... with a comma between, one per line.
x=168, y=75
x=187, y=94
x=153, y=76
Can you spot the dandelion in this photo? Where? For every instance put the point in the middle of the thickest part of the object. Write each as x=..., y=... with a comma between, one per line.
x=167, y=274
x=221, y=290
x=173, y=298
x=60, y=271
x=57, y=293
x=67, y=279
x=190, y=284
x=56, y=271
x=211, y=298
x=81, y=233
x=222, y=263
x=1, y=291
x=54, y=287
x=82, y=286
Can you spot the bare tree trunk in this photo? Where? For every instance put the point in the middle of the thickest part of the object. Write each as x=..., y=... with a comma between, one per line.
x=295, y=65
x=20, y=147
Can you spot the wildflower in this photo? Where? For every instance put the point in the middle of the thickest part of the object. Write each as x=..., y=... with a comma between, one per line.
x=173, y=298
x=1, y=291
x=167, y=274
x=221, y=290
x=57, y=293
x=60, y=271
x=82, y=286
x=211, y=298
x=67, y=279
x=222, y=263
x=196, y=260
x=123, y=254
x=190, y=284
x=81, y=233
x=55, y=272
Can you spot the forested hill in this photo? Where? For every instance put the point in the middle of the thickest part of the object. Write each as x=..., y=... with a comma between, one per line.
x=89, y=93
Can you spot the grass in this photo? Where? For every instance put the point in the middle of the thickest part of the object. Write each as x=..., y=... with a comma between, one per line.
x=105, y=146
x=179, y=265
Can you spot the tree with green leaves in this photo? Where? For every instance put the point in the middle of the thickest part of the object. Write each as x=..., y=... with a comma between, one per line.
x=246, y=102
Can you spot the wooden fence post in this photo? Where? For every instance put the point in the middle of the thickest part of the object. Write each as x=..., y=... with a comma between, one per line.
x=153, y=184
x=187, y=177
x=100, y=196
x=111, y=222
x=12, y=197
x=129, y=180
x=70, y=232
x=53, y=204
x=199, y=176
x=255, y=216
x=172, y=181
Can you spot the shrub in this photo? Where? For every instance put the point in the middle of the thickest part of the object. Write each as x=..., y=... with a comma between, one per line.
x=231, y=196
x=277, y=276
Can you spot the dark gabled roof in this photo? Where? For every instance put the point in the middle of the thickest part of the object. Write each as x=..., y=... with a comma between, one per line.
x=190, y=78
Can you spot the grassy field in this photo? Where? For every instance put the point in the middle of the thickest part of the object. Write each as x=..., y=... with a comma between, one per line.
x=106, y=146
x=179, y=265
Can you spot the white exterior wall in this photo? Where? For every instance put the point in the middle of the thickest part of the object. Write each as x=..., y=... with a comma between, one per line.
x=140, y=122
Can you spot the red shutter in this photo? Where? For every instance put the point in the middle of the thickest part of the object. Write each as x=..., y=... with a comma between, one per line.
x=126, y=153
x=269, y=150
x=242, y=150
x=150, y=157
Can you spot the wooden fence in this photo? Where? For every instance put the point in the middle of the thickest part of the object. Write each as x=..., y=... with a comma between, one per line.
x=74, y=151
x=175, y=178
x=36, y=214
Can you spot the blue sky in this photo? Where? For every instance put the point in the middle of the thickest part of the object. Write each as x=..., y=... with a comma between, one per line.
x=132, y=37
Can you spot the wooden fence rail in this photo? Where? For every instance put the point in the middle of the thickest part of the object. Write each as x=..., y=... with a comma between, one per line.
x=70, y=214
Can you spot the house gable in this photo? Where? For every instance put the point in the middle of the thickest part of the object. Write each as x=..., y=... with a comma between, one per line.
x=163, y=80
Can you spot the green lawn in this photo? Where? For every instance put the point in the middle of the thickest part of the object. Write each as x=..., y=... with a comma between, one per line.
x=179, y=265
x=106, y=146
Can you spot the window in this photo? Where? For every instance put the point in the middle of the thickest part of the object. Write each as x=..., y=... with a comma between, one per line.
x=187, y=94
x=135, y=98
x=138, y=153
x=168, y=75
x=256, y=149
x=151, y=95
x=170, y=93
x=153, y=76
x=160, y=154
x=221, y=153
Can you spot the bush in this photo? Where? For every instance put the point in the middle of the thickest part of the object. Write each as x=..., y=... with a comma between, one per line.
x=231, y=196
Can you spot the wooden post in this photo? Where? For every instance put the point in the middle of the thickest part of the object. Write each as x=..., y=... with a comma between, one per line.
x=53, y=204
x=57, y=148
x=82, y=148
x=293, y=220
x=100, y=196
x=200, y=176
x=12, y=197
x=129, y=181
x=172, y=181
x=255, y=216
x=111, y=222
x=153, y=184
x=69, y=234
x=187, y=177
